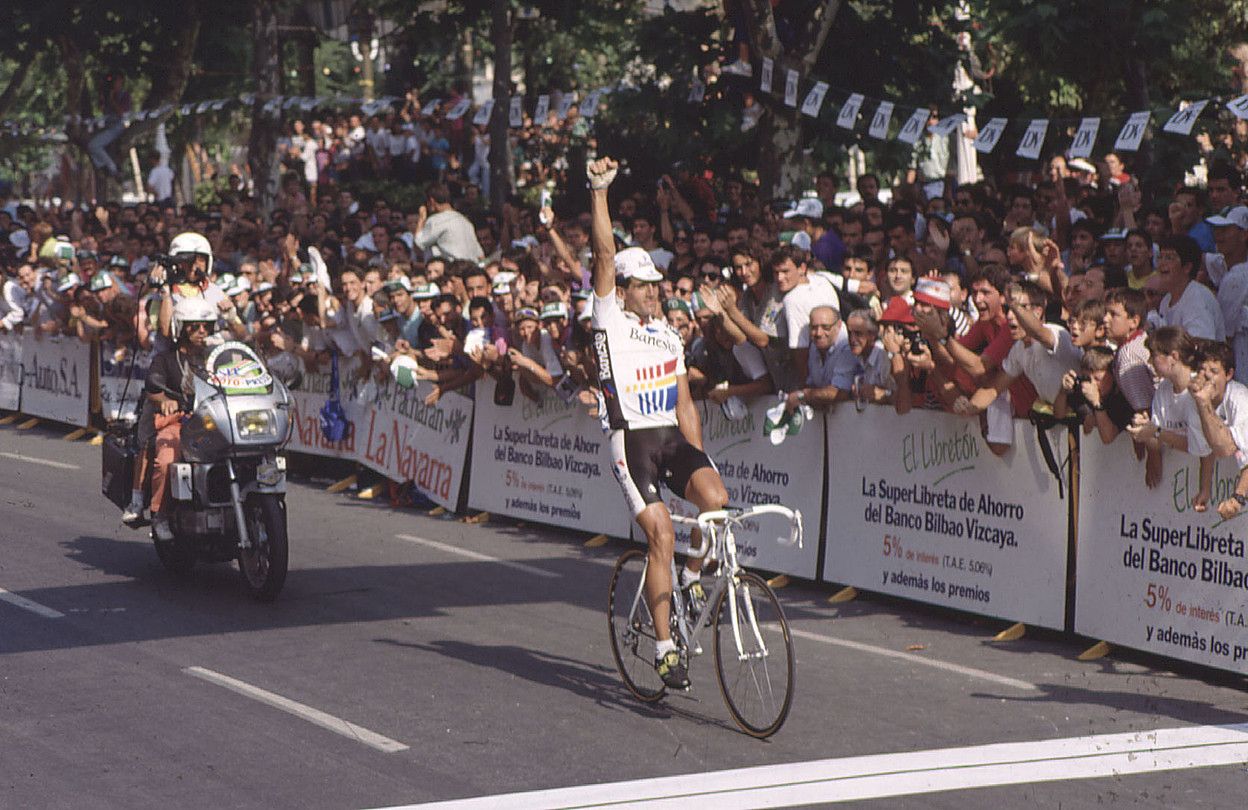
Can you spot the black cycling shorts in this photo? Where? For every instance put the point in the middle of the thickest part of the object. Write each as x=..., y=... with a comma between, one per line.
x=643, y=459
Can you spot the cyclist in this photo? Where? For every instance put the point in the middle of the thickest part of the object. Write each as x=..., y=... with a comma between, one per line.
x=645, y=406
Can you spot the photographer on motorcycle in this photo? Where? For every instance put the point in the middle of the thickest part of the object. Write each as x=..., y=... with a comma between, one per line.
x=170, y=395
x=190, y=277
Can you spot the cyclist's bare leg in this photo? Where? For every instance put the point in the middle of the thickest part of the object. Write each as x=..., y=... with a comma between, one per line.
x=706, y=491
x=656, y=522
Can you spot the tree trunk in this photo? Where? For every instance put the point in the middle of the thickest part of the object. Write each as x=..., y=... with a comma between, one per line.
x=500, y=154
x=265, y=69
x=16, y=81
x=465, y=57
x=780, y=152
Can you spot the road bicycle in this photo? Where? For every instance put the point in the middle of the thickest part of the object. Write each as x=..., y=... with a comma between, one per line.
x=754, y=660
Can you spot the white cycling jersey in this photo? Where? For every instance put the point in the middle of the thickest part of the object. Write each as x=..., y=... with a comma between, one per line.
x=637, y=367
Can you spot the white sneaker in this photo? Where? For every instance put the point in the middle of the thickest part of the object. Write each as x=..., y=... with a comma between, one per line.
x=160, y=525
x=133, y=513
x=739, y=68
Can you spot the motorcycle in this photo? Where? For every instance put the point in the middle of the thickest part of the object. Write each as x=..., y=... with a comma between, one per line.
x=227, y=489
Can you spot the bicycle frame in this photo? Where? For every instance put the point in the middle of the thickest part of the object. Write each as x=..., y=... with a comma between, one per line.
x=719, y=543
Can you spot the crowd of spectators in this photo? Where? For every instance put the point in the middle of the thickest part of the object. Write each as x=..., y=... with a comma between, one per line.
x=1080, y=297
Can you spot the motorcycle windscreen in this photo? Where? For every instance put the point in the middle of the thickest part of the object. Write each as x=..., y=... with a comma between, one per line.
x=237, y=371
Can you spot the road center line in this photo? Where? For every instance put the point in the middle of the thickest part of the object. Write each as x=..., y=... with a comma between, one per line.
x=476, y=555
x=60, y=465
x=970, y=672
x=315, y=716
x=26, y=604
x=902, y=774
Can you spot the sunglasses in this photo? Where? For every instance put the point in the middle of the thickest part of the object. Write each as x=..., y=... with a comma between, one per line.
x=199, y=326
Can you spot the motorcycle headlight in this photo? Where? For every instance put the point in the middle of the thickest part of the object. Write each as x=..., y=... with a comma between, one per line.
x=254, y=424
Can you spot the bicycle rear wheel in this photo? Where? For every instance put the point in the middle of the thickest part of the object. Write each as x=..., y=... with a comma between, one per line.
x=753, y=655
x=632, y=627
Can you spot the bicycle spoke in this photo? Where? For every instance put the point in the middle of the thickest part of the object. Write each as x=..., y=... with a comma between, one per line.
x=632, y=628
x=754, y=656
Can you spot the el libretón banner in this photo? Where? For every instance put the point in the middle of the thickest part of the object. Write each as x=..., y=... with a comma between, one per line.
x=1153, y=573
x=929, y=513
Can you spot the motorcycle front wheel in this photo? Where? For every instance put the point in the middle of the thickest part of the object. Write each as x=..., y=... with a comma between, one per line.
x=263, y=565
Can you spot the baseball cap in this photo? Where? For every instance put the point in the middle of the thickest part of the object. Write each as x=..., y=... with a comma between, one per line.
x=525, y=314
x=932, y=291
x=396, y=284
x=1114, y=234
x=676, y=303
x=1236, y=215
x=1081, y=165
x=896, y=311
x=807, y=207
x=501, y=288
x=404, y=370
x=422, y=292
x=241, y=285
x=635, y=263
x=798, y=239
x=70, y=281
x=264, y=286
x=101, y=281
x=553, y=310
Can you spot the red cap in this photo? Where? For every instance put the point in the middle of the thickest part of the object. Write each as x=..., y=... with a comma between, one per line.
x=896, y=311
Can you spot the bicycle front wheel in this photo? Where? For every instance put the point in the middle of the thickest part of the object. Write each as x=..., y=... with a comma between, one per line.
x=632, y=627
x=753, y=655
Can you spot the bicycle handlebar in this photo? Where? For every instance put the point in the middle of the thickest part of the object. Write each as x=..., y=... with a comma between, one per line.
x=704, y=520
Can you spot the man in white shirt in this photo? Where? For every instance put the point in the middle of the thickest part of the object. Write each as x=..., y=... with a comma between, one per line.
x=644, y=238
x=802, y=293
x=353, y=325
x=160, y=182
x=19, y=300
x=1187, y=303
x=443, y=231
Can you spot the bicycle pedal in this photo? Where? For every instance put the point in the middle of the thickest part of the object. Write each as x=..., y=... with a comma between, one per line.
x=696, y=650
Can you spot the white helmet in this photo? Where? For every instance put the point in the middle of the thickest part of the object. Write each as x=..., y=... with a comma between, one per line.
x=192, y=310
x=191, y=243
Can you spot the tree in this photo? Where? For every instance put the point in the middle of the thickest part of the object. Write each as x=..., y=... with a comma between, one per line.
x=266, y=69
x=781, y=136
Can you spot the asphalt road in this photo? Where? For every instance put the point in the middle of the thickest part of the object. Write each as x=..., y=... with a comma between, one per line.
x=473, y=661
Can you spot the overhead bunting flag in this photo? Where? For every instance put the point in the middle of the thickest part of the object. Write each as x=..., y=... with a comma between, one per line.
x=1239, y=106
x=457, y=112
x=542, y=109
x=1132, y=132
x=484, y=112
x=790, y=88
x=590, y=108
x=1184, y=119
x=913, y=128
x=565, y=103
x=945, y=126
x=697, y=91
x=989, y=134
x=769, y=70
x=848, y=116
x=814, y=99
x=1033, y=139
x=1085, y=138
x=430, y=107
x=880, y=121
x=515, y=111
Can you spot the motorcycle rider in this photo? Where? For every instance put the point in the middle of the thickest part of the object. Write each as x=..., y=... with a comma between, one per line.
x=197, y=284
x=170, y=394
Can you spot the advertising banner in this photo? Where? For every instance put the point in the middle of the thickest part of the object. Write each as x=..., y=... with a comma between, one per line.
x=919, y=507
x=404, y=439
x=122, y=374
x=10, y=371
x=756, y=472
x=545, y=461
x=56, y=378
x=1152, y=573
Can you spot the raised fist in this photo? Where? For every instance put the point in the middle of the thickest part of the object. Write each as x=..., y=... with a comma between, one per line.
x=601, y=172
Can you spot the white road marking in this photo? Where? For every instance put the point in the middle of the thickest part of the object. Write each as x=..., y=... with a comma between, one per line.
x=476, y=555
x=314, y=716
x=60, y=465
x=936, y=663
x=902, y=774
x=26, y=604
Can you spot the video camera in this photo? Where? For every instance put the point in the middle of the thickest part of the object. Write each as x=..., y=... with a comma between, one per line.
x=177, y=268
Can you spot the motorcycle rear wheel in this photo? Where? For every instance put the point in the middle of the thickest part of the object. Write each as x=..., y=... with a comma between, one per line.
x=263, y=565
